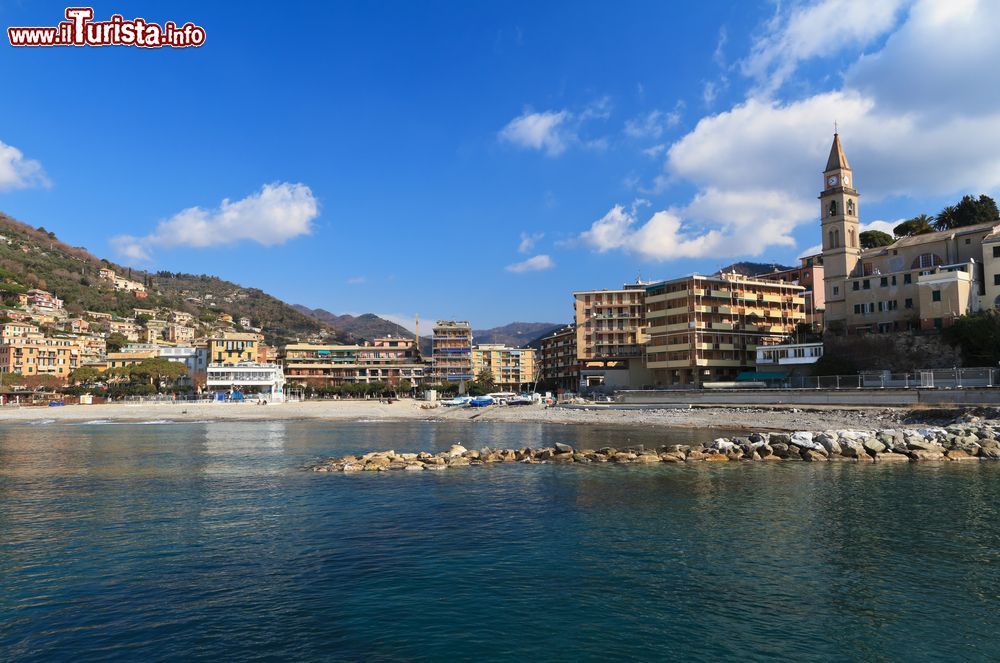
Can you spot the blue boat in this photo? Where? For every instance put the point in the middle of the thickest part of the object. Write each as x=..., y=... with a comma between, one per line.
x=481, y=401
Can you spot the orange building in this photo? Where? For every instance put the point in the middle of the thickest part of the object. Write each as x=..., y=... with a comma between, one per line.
x=39, y=356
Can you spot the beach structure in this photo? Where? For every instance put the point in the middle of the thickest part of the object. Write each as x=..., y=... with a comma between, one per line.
x=246, y=381
x=513, y=369
x=708, y=328
x=921, y=282
x=451, y=351
x=557, y=360
x=610, y=334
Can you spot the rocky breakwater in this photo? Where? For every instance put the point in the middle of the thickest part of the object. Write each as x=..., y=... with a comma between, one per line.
x=957, y=442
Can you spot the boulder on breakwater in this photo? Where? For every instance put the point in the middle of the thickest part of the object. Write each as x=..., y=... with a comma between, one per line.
x=969, y=441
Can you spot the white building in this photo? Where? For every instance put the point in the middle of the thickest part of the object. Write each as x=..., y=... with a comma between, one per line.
x=253, y=380
x=789, y=354
x=196, y=362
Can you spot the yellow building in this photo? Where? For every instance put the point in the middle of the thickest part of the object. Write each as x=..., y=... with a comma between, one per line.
x=17, y=330
x=116, y=360
x=513, y=369
x=708, y=328
x=232, y=348
x=610, y=335
x=920, y=282
x=34, y=355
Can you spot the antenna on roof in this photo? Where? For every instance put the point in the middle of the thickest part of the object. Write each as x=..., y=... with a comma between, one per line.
x=835, y=127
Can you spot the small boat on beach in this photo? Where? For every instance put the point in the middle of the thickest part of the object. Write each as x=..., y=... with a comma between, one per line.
x=482, y=401
x=458, y=401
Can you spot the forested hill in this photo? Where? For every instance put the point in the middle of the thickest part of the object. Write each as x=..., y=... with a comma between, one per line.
x=37, y=259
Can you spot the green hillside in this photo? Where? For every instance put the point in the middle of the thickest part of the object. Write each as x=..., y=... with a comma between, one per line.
x=37, y=259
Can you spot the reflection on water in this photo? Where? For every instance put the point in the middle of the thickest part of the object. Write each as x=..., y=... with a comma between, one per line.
x=208, y=542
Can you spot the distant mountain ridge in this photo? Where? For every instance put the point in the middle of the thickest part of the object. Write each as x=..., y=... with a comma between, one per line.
x=516, y=334
x=363, y=327
x=370, y=326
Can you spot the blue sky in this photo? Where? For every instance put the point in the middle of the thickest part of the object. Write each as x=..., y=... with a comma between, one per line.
x=484, y=160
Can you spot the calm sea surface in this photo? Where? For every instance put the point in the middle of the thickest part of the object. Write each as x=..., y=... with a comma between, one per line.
x=207, y=542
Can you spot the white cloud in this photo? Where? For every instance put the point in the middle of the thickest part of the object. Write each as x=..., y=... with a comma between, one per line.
x=544, y=131
x=553, y=132
x=719, y=55
x=535, y=264
x=528, y=241
x=651, y=125
x=655, y=150
x=825, y=28
x=882, y=226
x=273, y=215
x=16, y=172
x=356, y=280
x=911, y=127
x=716, y=224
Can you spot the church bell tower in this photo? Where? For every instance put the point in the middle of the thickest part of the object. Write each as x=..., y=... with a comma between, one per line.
x=840, y=228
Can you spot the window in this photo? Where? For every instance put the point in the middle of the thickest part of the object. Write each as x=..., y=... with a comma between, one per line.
x=938, y=323
x=833, y=208
x=935, y=295
x=836, y=290
x=996, y=279
x=894, y=279
x=857, y=309
x=884, y=281
x=850, y=208
x=907, y=279
x=968, y=241
x=857, y=286
x=866, y=284
x=996, y=251
x=926, y=260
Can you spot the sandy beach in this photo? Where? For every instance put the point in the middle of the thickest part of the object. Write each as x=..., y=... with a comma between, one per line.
x=750, y=418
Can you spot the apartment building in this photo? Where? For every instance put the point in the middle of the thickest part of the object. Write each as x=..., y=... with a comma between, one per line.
x=610, y=335
x=17, y=329
x=195, y=361
x=557, y=360
x=388, y=360
x=180, y=334
x=809, y=275
x=708, y=328
x=232, y=348
x=154, y=330
x=181, y=317
x=451, y=351
x=126, y=328
x=35, y=355
x=513, y=369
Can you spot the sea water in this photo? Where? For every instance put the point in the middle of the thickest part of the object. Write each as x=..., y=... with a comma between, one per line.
x=207, y=541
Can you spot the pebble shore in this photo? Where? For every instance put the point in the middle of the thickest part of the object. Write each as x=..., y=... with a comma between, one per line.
x=972, y=440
